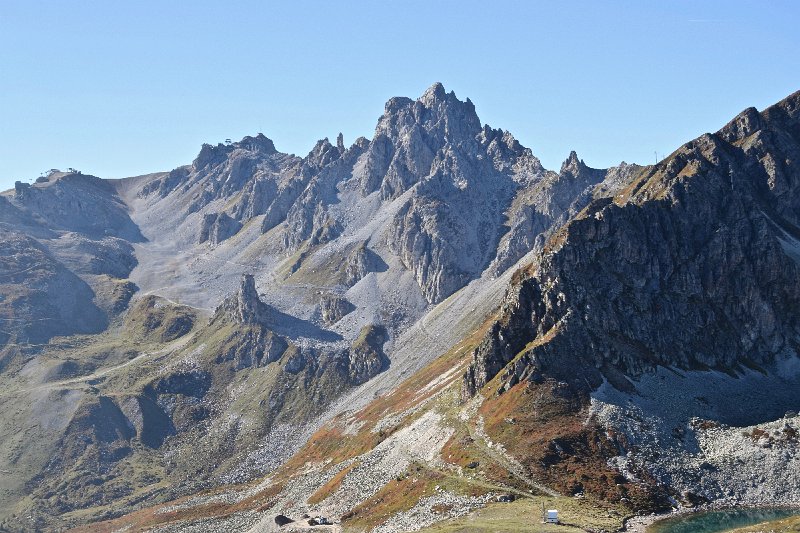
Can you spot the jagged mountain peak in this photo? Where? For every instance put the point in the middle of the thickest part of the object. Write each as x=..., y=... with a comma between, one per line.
x=323, y=153
x=438, y=112
x=573, y=165
x=574, y=168
x=411, y=133
x=571, y=161
x=435, y=91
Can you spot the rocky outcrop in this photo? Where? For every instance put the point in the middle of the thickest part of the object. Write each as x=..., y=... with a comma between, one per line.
x=692, y=265
x=249, y=340
x=366, y=357
x=152, y=317
x=253, y=347
x=244, y=307
x=165, y=184
x=360, y=262
x=217, y=227
x=333, y=307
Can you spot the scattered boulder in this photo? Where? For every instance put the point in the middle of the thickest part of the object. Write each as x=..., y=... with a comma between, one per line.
x=282, y=520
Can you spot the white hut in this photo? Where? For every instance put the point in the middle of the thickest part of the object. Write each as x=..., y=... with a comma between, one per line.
x=552, y=516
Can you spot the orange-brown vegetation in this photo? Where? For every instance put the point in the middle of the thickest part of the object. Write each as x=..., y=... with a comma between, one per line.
x=330, y=443
x=551, y=436
x=331, y=486
x=398, y=495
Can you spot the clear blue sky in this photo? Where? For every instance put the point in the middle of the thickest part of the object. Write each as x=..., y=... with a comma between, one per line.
x=123, y=88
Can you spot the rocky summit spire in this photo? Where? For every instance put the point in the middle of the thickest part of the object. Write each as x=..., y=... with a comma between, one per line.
x=245, y=306
x=573, y=164
x=433, y=93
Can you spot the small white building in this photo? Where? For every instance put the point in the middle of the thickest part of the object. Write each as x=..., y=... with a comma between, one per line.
x=552, y=516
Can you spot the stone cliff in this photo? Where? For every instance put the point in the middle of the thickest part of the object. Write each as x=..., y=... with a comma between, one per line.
x=693, y=265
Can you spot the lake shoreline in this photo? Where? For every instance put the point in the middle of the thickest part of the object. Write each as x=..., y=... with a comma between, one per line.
x=641, y=523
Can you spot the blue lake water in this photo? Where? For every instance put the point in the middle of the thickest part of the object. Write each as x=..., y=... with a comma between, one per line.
x=719, y=521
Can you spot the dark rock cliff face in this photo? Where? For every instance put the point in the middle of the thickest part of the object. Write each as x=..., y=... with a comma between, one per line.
x=692, y=265
x=366, y=357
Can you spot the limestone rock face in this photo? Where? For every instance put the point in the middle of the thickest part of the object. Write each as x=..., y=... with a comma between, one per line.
x=693, y=265
x=217, y=227
x=245, y=307
x=333, y=307
x=464, y=176
x=360, y=262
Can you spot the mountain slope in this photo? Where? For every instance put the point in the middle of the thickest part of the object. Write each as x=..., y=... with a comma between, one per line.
x=406, y=330
x=361, y=265
x=697, y=243
x=644, y=358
